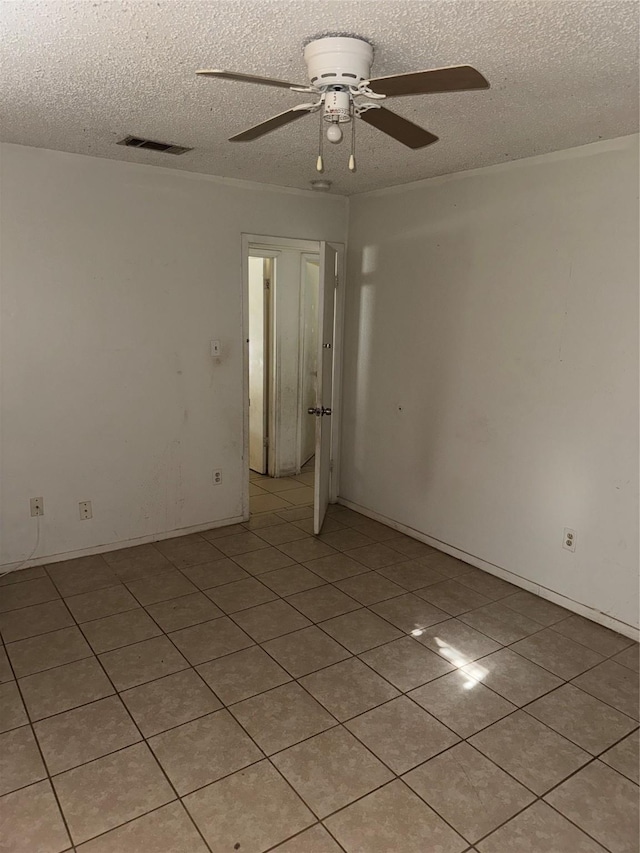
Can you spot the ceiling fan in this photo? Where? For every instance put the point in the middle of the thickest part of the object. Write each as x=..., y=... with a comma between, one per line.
x=339, y=73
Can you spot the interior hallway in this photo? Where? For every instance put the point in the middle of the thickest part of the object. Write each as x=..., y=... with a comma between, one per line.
x=256, y=688
x=267, y=494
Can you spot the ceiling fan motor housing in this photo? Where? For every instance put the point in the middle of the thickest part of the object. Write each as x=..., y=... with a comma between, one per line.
x=338, y=62
x=337, y=107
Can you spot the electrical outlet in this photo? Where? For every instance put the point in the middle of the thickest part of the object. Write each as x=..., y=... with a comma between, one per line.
x=569, y=539
x=37, y=507
x=217, y=478
x=85, y=510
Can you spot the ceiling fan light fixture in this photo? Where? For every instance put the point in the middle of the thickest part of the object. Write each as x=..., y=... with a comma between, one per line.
x=334, y=134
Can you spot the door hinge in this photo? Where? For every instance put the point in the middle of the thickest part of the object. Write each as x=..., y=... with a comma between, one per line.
x=265, y=442
x=331, y=465
x=267, y=284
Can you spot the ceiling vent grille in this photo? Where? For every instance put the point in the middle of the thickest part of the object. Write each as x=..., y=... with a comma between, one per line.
x=150, y=145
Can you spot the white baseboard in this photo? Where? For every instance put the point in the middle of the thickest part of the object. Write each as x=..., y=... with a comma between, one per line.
x=556, y=597
x=114, y=546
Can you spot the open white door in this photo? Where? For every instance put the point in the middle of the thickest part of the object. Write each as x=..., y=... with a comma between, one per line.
x=322, y=410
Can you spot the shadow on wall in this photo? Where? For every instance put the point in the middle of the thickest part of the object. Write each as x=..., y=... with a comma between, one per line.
x=397, y=300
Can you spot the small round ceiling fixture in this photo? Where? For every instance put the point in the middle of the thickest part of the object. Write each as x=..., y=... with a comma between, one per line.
x=321, y=185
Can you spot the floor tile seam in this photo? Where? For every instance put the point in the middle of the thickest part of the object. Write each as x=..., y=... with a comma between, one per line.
x=315, y=588
x=75, y=708
x=627, y=735
x=378, y=788
x=542, y=666
x=59, y=584
x=264, y=547
x=539, y=629
x=577, y=642
x=96, y=758
x=613, y=745
x=58, y=665
x=145, y=814
x=314, y=538
x=6, y=643
x=522, y=657
x=363, y=651
x=626, y=666
x=161, y=600
x=241, y=609
x=263, y=758
x=155, y=758
x=297, y=609
x=56, y=597
x=370, y=607
x=173, y=630
x=307, y=565
x=504, y=600
x=584, y=749
x=370, y=569
x=352, y=802
x=604, y=701
x=485, y=685
x=5, y=574
x=128, y=609
x=584, y=645
x=128, y=645
x=257, y=642
x=318, y=822
x=532, y=802
x=44, y=763
x=566, y=817
x=401, y=562
x=504, y=770
x=562, y=618
x=536, y=797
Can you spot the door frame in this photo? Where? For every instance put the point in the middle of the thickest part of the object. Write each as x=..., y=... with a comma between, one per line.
x=273, y=244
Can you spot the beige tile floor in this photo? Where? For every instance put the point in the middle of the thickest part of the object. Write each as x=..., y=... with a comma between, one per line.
x=258, y=689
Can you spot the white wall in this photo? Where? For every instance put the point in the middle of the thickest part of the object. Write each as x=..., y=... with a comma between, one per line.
x=114, y=279
x=491, y=367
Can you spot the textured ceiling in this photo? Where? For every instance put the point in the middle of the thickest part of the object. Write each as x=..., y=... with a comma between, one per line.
x=77, y=75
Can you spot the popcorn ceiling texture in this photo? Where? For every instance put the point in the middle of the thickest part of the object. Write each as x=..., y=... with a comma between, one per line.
x=79, y=75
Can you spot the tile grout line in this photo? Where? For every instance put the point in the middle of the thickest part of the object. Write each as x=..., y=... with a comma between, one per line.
x=143, y=738
x=143, y=607
x=44, y=763
x=152, y=753
x=192, y=666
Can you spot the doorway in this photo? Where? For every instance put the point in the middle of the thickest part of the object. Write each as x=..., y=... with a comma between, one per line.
x=292, y=350
x=283, y=319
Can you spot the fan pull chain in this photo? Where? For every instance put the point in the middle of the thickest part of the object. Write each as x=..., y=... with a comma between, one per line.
x=319, y=161
x=352, y=158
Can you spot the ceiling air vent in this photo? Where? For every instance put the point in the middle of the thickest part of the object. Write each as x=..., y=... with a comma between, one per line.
x=150, y=145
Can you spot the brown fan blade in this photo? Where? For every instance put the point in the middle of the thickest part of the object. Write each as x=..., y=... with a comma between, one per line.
x=251, y=78
x=400, y=128
x=458, y=78
x=267, y=126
